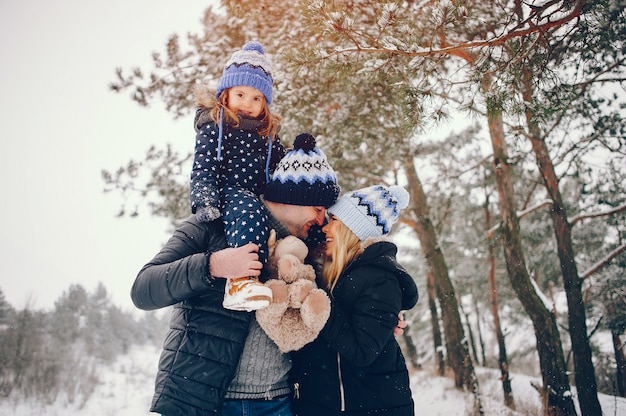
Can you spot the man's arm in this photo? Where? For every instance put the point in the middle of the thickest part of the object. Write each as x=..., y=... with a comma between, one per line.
x=188, y=264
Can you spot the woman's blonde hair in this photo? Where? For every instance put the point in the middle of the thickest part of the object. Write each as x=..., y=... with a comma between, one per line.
x=205, y=98
x=346, y=247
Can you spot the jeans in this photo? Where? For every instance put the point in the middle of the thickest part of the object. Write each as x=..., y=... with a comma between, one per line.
x=279, y=406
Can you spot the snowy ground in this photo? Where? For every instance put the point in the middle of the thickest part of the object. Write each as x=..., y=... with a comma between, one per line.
x=126, y=390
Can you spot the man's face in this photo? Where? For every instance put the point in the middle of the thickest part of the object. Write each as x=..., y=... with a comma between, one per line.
x=299, y=219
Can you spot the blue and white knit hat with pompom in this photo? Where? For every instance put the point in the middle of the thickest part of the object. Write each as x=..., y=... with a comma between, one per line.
x=249, y=67
x=371, y=211
x=303, y=176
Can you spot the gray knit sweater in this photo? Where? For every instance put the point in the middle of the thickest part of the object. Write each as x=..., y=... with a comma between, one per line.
x=263, y=371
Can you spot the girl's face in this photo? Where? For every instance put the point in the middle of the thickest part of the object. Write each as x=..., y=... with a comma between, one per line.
x=245, y=101
x=332, y=231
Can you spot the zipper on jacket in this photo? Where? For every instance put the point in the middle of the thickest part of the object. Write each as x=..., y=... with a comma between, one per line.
x=342, y=396
x=296, y=390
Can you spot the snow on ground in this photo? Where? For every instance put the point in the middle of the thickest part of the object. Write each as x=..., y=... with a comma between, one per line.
x=436, y=396
x=126, y=388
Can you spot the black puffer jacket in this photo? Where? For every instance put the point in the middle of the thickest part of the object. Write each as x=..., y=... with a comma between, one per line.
x=203, y=346
x=355, y=366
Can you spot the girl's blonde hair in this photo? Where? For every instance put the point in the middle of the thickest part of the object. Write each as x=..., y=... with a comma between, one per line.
x=205, y=98
x=346, y=247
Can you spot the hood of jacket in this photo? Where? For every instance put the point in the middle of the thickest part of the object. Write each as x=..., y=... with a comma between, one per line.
x=381, y=253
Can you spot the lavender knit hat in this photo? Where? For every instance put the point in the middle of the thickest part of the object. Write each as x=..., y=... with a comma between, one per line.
x=371, y=211
x=249, y=67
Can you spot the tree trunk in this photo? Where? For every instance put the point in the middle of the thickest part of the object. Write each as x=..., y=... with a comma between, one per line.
x=434, y=321
x=586, y=385
x=411, y=349
x=621, y=364
x=503, y=361
x=481, y=341
x=456, y=346
x=470, y=334
x=555, y=383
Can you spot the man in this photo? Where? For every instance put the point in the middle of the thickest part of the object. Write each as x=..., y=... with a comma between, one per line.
x=217, y=361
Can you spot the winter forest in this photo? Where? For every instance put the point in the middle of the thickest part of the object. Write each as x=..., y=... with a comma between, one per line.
x=503, y=119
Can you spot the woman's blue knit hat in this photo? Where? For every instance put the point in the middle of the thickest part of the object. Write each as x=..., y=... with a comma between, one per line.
x=371, y=211
x=303, y=176
x=249, y=67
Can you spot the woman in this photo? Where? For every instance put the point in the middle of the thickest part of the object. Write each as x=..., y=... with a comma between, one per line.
x=355, y=366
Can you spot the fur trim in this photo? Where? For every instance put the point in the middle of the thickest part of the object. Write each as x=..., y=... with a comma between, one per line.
x=204, y=96
x=203, y=116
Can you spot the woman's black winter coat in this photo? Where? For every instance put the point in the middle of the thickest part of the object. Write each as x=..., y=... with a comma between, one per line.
x=204, y=343
x=355, y=366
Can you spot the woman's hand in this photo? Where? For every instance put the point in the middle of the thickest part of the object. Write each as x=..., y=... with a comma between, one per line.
x=399, y=329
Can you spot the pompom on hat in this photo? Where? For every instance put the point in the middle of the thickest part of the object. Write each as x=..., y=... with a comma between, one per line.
x=303, y=176
x=371, y=211
x=249, y=67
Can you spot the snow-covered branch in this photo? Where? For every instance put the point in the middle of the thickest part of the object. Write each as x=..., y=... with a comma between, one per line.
x=527, y=27
x=599, y=265
x=521, y=214
x=582, y=217
x=543, y=297
x=578, y=218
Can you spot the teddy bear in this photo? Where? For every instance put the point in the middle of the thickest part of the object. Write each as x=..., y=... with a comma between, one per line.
x=299, y=310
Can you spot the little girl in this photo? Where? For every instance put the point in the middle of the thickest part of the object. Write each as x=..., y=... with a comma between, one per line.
x=237, y=148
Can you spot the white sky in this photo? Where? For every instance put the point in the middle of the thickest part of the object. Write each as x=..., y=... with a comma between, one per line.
x=61, y=126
